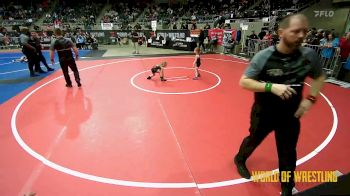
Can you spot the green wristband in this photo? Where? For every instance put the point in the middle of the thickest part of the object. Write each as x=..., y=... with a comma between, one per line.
x=268, y=87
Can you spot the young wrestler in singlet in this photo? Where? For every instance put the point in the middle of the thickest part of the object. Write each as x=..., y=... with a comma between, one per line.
x=159, y=68
x=197, y=63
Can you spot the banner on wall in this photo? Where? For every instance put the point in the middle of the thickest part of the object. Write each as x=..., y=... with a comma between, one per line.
x=178, y=34
x=195, y=33
x=223, y=36
x=154, y=25
x=216, y=34
x=107, y=26
x=229, y=36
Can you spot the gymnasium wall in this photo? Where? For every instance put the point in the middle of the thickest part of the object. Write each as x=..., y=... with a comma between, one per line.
x=326, y=15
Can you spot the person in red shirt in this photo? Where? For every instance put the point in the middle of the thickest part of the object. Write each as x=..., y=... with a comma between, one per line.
x=345, y=47
x=344, y=55
x=268, y=36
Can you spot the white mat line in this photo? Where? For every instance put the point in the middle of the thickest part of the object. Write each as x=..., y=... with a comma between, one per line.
x=6, y=63
x=176, y=79
x=170, y=78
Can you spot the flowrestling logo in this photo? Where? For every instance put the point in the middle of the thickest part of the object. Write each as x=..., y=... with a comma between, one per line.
x=324, y=13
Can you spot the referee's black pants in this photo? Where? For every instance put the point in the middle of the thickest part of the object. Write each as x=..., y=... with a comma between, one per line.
x=201, y=44
x=73, y=66
x=286, y=128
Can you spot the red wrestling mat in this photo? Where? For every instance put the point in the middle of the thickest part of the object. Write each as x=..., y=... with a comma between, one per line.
x=121, y=134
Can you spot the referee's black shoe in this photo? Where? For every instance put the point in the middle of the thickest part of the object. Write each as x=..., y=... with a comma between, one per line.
x=287, y=191
x=242, y=168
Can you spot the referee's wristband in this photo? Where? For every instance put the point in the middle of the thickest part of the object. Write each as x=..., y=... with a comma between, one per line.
x=268, y=87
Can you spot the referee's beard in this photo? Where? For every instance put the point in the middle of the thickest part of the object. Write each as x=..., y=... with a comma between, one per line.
x=294, y=45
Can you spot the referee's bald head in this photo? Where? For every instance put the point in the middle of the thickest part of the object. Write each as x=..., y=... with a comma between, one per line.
x=286, y=21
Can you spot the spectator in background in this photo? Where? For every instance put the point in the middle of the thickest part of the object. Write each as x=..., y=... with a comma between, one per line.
x=268, y=36
x=262, y=34
x=267, y=39
x=207, y=26
x=319, y=36
x=238, y=36
x=94, y=44
x=201, y=40
x=70, y=37
x=89, y=41
x=193, y=17
x=213, y=42
x=135, y=39
x=275, y=38
x=251, y=38
x=118, y=38
x=194, y=26
x=328, y=44
x=137, y=26
x=2, y=37
x=80, y=41
x=309, y=37
x=37, y=28
x=227, y=26
x=253, y=35
x=174, y=25
x=184, y=25
x=344, y=55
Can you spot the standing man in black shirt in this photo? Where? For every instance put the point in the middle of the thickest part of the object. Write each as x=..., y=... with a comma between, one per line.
x=29, y=50
x=277, y=75
x=201, y=39
x=135, y=39
x=207, y=26
x=71, y=37
x=38, y=47
x=253, y=35
x=251, y=41
x=262, y=34
x=64, y=48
